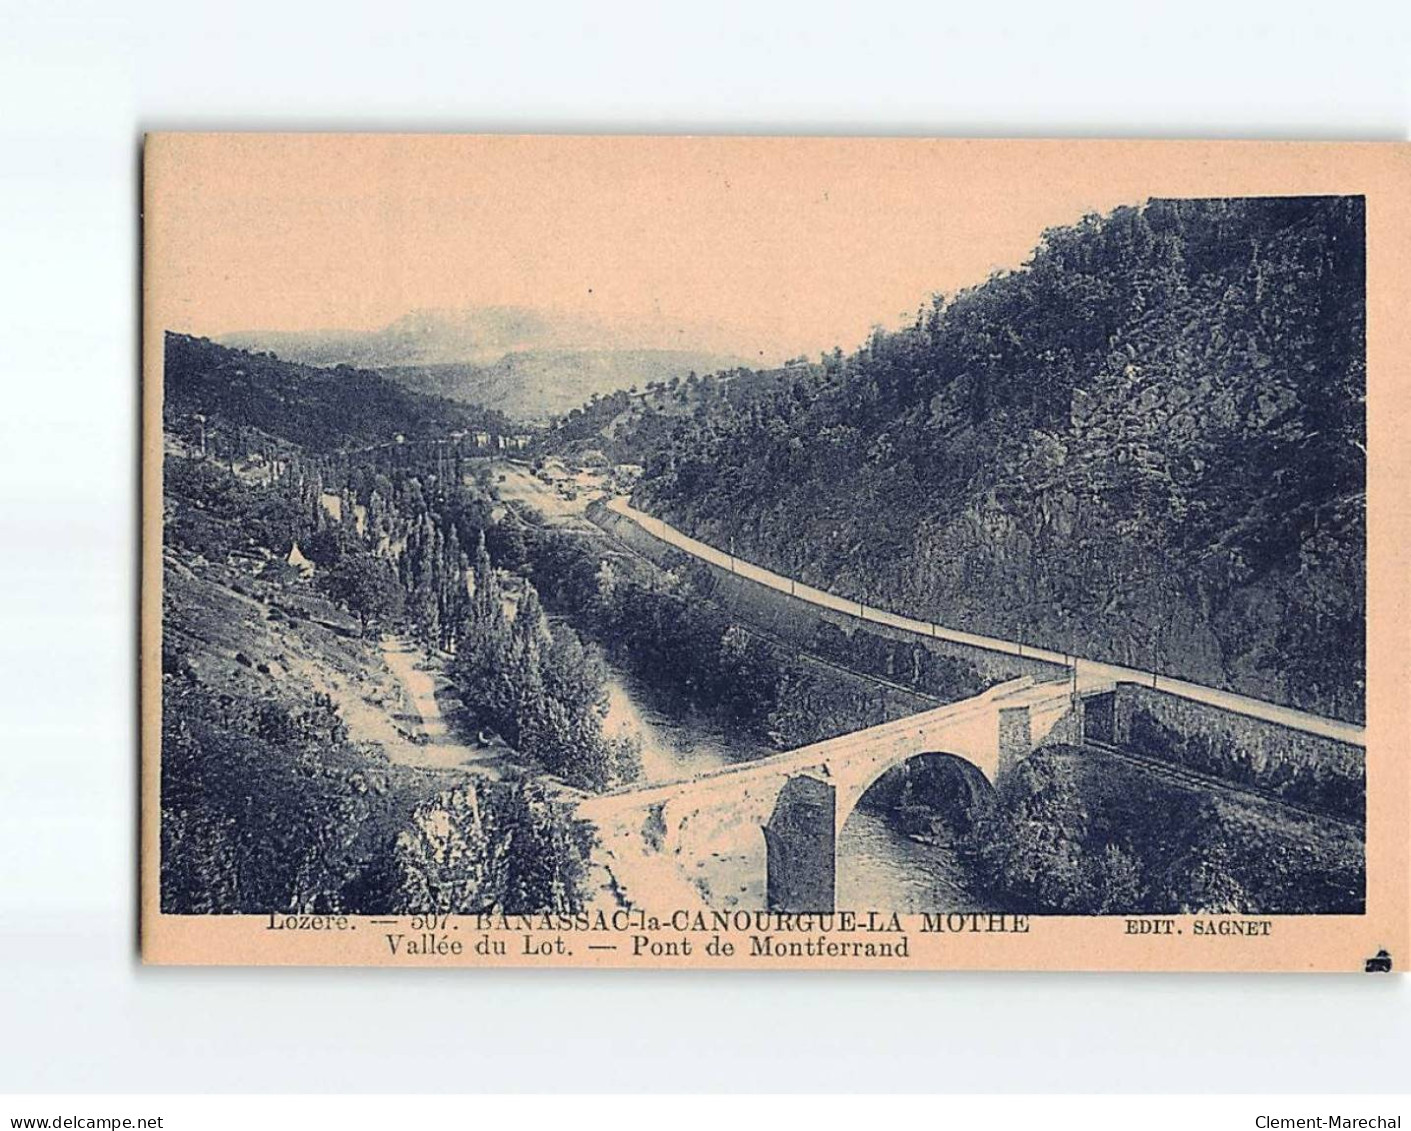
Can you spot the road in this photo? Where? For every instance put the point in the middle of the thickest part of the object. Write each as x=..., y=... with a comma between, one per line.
x=1089, y=669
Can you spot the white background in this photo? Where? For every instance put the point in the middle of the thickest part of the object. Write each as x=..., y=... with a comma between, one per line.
x=78, y=85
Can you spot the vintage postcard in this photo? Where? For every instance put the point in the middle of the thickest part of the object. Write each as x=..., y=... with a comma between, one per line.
x=775, y=553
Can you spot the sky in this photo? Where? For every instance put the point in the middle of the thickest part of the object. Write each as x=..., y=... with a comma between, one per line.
x=762, y=248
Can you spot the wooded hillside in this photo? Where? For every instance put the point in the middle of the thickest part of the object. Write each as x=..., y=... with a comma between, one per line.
x=319, y=409
x=1147, y=445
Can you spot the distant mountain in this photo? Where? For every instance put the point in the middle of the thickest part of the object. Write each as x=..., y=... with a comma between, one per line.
x=538, y=384
x=473, y=336
x=526, y=363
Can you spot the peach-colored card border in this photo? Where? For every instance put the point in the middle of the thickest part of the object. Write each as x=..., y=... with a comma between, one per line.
x=1379, y=171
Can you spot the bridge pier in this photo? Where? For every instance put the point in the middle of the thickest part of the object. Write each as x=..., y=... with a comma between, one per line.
x=1104, y=720
x=801, y=847
x=1015, y=736
x=1022, y=729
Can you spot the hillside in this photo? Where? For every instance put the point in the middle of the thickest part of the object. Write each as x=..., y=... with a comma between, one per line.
x=626, y=425
x=320, y=409
x=298, y=769
x=1147, y=445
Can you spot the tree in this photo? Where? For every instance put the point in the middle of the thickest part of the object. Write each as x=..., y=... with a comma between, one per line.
x=545, y=865
x=1031, y=841
x=325, y=546
x=367, y=585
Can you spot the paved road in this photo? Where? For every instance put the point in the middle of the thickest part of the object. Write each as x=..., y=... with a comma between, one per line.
x=1088, y=669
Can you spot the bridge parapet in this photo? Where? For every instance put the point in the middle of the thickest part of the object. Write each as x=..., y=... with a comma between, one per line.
x=802, y=798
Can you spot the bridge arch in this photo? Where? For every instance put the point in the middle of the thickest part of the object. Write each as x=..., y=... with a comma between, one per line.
x=806, y=826
x=965, y=775
x=902, y=845
x=802, y=798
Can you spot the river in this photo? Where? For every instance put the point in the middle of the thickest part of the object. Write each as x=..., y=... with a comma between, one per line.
x=879, y=868
x=672, y=747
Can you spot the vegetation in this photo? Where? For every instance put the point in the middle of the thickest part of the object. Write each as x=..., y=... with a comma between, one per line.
x=539, y=687
x=385, y=529
x=478, y=848
x=268, y=806
x=1072, y=832
x=367, y=585
x=268, y=802
x=317, y=409
x=664, y=626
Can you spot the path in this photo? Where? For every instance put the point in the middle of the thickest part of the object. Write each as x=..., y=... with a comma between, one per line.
x=435, y=745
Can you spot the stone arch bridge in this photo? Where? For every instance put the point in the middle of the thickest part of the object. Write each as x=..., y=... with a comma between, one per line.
x=802, y=798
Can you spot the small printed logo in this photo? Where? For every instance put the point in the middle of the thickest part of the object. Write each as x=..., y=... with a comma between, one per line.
x=1379, y=963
